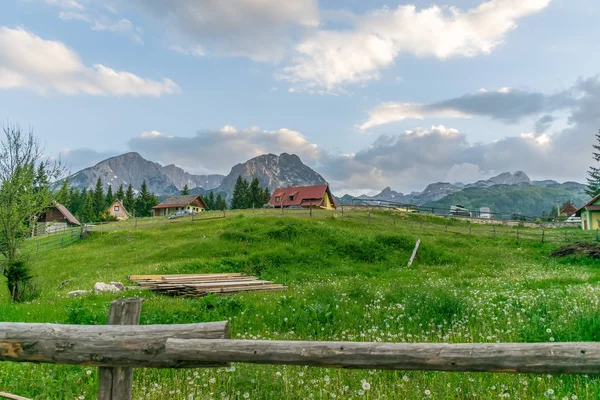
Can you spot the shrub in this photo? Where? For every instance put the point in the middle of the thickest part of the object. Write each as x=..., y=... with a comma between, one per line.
x=20, y=282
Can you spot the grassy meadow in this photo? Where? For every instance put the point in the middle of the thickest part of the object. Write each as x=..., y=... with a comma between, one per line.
x=348, y=280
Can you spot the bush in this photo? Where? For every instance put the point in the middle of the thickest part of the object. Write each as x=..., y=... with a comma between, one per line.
x=20, y=282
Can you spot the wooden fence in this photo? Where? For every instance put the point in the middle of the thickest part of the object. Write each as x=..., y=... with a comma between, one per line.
x=123, y=345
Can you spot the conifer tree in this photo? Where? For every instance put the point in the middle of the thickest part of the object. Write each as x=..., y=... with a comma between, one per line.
x=220, y=203
x=110, y=197
x=120, y=195
x=129, y=200
x=210, y=201
x=143, y=201
x=63, y=195
x=185, y=191
x=593, y=186
x=98, y=199
x=241, y=198
x=255, y=199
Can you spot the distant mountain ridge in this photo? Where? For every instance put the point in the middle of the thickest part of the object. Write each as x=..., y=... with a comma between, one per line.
x=503, y=193
x=132, y=168
x=271, y=170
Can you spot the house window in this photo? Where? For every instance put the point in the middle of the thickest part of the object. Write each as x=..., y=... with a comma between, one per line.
x=291, y=198
x=116, y=208
x=277, y=198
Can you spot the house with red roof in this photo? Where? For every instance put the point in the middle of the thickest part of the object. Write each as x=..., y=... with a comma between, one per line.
x=304, y=196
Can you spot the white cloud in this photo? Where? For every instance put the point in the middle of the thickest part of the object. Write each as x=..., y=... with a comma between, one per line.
x=152, y=134
x=392, y=112
x=258, y=29
x=334, y=57
x=47, y=66
x=121, y=26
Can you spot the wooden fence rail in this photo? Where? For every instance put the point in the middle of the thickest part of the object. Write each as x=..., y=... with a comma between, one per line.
x=208, y=345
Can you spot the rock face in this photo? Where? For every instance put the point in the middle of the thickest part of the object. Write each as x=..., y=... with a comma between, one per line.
x=132, y=168
x=273, y=171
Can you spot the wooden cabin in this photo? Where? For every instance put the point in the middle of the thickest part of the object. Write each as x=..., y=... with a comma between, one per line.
x=117, y=210
x=192, y=202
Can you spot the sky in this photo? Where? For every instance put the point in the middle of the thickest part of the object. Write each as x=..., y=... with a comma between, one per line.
x=368, y=93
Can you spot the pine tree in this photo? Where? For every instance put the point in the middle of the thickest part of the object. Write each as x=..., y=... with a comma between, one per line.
x=210, y=201
x=98, y=199
x=63, y=195
x=120, y=195
x=593, y=186
x=110, y=197
x=185, y=191
x=256, y=194
x=74, y=201
x=144, y=202
x=241, y=196
x=129, y=200
x=266, y=196
x=220, y=203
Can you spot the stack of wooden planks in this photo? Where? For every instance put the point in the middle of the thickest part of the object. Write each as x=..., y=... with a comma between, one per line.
x=195, y=285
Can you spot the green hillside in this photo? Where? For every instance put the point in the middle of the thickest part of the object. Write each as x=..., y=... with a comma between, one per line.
x=348, y=280
x=526, y=200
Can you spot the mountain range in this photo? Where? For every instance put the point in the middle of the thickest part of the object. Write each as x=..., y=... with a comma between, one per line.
x=272, y=171
x=506, y=192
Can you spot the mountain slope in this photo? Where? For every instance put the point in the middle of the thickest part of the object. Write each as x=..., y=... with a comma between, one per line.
x=132, y=168
x=524, y=199
x=273, y=171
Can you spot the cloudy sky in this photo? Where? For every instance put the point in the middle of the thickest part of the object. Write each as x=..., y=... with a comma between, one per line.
x=369, y=93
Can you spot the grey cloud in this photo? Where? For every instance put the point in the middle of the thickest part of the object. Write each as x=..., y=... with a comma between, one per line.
x=509, y=106
x=77, y=159
x=544, y=123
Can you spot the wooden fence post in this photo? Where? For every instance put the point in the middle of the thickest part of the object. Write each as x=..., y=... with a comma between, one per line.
x=517, y=232
x=542, y=236
x=494, y=226
x=117, y=383
x=369, y=216
x=597, y=235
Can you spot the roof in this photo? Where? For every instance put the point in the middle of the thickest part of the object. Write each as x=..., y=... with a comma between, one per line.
x=180, y=201
x=120, y=203
x=589, y=206
x=67, y=214
x=303, y=196
x=569, y=209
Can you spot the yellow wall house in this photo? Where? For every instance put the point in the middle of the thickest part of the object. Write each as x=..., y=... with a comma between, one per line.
x=117, y=210
x=590, y=214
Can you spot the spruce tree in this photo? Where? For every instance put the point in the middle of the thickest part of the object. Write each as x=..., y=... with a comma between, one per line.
x=120, y=195
x=145, y=201
x=240, y=199
x=110, y=197
x=266, y=196
x=98, y=199
x=220, y=203
x=63, y=195
x=593, y=186
x=210, y=201
x=185, y=191
x=256, y=194
x=74, y=201
x=129, y=200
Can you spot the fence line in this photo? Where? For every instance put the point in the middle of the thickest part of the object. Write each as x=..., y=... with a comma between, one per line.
x=118, y=348
x=453, y=225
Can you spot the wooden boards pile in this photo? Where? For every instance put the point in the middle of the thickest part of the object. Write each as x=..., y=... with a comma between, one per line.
x=196, y=285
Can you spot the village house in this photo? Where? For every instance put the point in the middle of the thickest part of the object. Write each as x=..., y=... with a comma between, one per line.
x=568, y=210
x=117, y=210
x=303, y=196
x=192, y=203
x=590, y=214
x=55, y=219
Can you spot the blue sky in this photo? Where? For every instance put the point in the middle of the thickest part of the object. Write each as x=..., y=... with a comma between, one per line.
x=370, y=94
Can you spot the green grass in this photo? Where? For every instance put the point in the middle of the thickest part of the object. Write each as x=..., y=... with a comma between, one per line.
x=348, y=280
